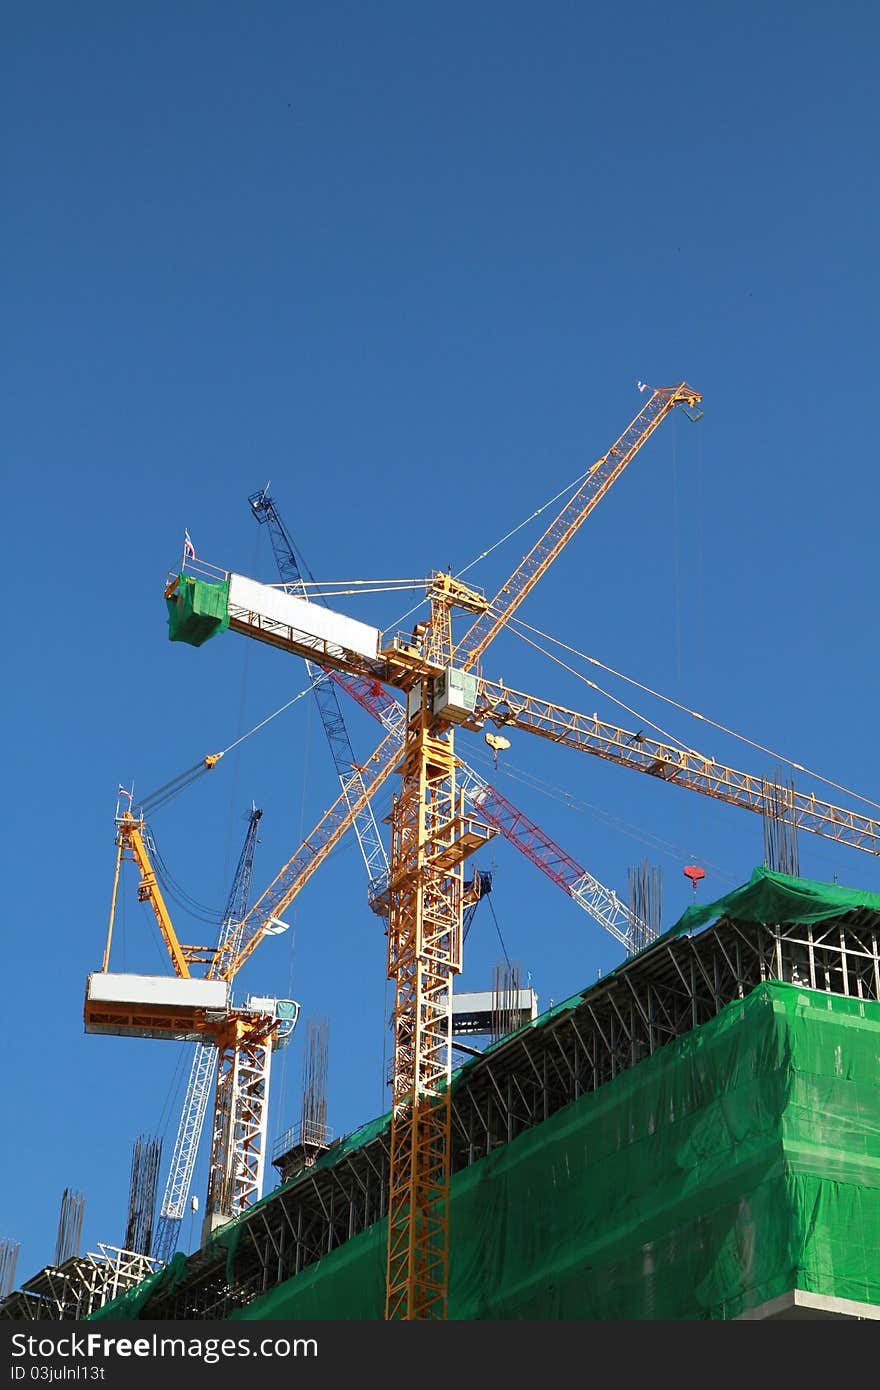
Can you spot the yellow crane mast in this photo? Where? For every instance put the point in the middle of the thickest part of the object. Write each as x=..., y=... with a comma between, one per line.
x=431, y=837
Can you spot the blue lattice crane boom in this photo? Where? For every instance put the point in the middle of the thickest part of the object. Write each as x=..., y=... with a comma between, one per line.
x=204, y=1062
x=326, y=695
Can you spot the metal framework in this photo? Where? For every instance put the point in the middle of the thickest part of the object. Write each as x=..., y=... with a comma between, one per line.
x=430, y=839
x=241, y=1109
x=650, y=1000
x=256, y=1028
x=204, y=1065
x=130, y=844
x=79, y=1286
x=584, y=889
x=600, y=478
x=186, y=1147
x=682, y=767
x=295, y=874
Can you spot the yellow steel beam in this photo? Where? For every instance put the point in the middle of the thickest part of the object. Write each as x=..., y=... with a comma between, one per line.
x=599, y=480
x=130, y=836
x=680, y=767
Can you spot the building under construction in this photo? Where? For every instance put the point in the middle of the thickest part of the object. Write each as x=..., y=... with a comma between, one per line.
x=696, y=1135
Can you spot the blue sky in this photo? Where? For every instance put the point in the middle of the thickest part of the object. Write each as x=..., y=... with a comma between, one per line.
x=408, y=263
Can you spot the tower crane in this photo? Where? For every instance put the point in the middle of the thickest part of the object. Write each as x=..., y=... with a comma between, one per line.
x=431, y=835
x=599, y=902
x=202, y=1068
x=237, y=1041
x=203, y=1063
x=584, y=889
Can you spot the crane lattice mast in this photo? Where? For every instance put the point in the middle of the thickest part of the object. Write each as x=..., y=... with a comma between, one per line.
x=198, y=1089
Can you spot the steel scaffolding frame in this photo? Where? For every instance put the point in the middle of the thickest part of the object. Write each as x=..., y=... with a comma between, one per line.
x=669, y=988
x=79, y=1286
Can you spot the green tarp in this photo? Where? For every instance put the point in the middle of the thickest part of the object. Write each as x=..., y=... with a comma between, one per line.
x=777, y=898
x=738, y=1162
x=197, y=611
x=127, y=1306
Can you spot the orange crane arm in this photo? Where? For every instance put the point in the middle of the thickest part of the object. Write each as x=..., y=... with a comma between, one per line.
x=130, y=837
x=258, y=922
x=600, y=478
x=680, y=767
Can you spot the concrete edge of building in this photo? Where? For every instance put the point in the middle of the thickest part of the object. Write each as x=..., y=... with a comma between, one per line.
x=798, y=1303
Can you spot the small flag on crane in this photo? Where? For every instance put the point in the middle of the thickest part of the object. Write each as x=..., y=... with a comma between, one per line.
x=642, y=385
x=123, y=792
x=188, y=547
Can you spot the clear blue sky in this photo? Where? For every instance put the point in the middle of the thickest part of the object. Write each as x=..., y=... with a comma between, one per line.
x=408, y=262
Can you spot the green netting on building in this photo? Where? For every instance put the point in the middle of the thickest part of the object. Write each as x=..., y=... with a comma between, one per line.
x=772, y=897
x=127, y=1306
x=198, y=610
x=737, y=1163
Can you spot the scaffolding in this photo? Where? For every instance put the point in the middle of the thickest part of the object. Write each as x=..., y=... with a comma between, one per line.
x=79, y=1286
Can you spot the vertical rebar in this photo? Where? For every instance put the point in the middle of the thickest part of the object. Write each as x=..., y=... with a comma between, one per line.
x=69, y=1225
x=313, y=1118
x=645, y=887
x=505, y=998
x=143, y=1190
x=8, y=1260
x=781, y=852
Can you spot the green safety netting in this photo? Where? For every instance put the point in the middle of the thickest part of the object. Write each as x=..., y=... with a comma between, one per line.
x=198, y=610
x=740, y=1161
x=127, y=1306
x=777, y=898
x=737, y=1163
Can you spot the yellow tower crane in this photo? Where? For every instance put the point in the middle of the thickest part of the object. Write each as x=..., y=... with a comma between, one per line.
x=186, y=1007
x=431, y=834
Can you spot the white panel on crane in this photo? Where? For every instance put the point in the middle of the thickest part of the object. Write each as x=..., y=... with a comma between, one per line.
x=168, y=991
x=311, y=620
x=153, y=1006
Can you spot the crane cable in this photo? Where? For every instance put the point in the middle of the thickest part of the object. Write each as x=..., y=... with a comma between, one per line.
x=607, y=693
x=498, y=929
x=570, y=487
x=154, y=800
x=666, y=699
x=212, y=915
x=598, y=813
